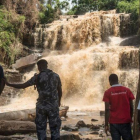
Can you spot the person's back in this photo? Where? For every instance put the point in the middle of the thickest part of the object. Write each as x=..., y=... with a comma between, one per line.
x=120, y=97
x=118, y=109
x=47, y=83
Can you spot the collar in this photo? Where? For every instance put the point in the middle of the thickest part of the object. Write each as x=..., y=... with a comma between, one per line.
x=116, y=85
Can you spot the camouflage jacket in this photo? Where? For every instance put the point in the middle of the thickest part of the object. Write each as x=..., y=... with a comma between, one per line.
x=47, y=83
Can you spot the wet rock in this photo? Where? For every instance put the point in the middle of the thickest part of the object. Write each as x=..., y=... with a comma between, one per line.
x=64, y=111
x=63, y=119
x=83, y=133
x=89, y=125
x=26, y=61
x=67, y=136
x=70, y=128
x=94, y=133
x=75, y=16
x=95, y=127
x=80, y=124
x=13, y=76
x=12, y=71
x=94, y=120
x=131, y=41
x=102, y=113
x=129, y=59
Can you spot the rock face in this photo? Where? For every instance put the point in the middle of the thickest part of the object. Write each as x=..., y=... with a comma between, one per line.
x=129, y=59
x=81, y=32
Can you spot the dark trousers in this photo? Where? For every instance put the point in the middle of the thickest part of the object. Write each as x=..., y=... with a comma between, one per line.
x=121, y=130
x=41, y=124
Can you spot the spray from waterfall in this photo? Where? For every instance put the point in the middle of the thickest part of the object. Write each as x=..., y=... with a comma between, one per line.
x=84, y=75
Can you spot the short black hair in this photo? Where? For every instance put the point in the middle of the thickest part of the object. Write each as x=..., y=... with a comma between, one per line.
x=42, y=62
x=113, y=78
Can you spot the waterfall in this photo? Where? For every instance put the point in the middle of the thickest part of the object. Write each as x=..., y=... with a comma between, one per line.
x=74, y=49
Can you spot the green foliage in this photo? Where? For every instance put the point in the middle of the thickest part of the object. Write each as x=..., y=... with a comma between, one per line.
x=9, y=30
x=83, y=6
x=52, y=11
x=129, y=7
x=48, y=15
x=71, y=12
x=133, y=8
x=107, y=4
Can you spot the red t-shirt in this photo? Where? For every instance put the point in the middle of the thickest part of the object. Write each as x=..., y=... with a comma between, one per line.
x=119, y=98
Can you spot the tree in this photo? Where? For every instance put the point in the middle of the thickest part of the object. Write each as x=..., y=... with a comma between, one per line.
x=42, y=1
x=53, y=11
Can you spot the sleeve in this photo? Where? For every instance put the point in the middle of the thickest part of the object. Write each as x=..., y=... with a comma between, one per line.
x=138, y=106
x=1, y=72
x=130, y=94
x=106, y=97
x=32, y=81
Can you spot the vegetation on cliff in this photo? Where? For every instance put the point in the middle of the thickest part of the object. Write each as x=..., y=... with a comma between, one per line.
x=17, y=20
x=11, y=26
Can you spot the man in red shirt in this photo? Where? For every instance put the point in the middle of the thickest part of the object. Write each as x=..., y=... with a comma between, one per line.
x=118, y=110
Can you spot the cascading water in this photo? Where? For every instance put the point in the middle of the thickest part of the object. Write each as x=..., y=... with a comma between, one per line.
x=84, y=70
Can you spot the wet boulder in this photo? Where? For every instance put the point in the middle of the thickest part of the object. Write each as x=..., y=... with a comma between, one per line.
x=13, y=75
x=67, y=136
x=94, y=120
x=95, y=127
x=80, y=124
x=102, y=113
x=70, y=128
x=94, y=133
x=26, y=61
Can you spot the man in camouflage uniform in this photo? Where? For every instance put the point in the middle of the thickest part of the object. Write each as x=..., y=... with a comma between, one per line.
x=48, y=85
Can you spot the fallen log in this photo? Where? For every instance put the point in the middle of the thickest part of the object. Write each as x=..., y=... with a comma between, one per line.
x=63, y=136
x=13, y=127
x=28, y=115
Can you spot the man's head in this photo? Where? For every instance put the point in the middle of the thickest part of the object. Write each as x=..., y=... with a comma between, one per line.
x=113, y=79
x=42, y=64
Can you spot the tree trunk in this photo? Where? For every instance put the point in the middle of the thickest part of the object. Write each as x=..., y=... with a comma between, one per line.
x=13, y=127
x=135, y=126
x=28, y=115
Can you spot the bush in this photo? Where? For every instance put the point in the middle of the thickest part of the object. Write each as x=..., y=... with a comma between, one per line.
x=9, y=30
x=133, y=8
x=129, y=7
x=48, y=16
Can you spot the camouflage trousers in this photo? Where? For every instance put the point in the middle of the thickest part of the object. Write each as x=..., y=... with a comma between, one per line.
x=41, y=123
